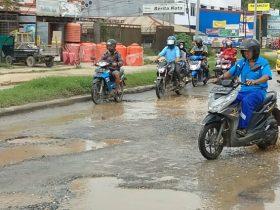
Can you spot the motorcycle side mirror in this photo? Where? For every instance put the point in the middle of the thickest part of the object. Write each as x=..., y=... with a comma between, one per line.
x=256, y=67
x=227, y=83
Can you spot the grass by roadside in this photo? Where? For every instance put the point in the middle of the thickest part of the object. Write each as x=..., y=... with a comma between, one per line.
x=50, y=88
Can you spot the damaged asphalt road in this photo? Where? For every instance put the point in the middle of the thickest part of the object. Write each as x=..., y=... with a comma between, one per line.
x=139, y=154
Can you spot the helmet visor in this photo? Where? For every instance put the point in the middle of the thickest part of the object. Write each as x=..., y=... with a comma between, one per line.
x=170, y=42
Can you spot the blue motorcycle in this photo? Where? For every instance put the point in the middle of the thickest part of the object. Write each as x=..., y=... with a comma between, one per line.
x=198, y=74
x=104, y=85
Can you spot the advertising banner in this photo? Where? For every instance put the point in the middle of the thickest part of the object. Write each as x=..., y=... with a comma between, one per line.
x=176, y=8
x=261, y=7
x=228, y=33
x=219, y=24
x=57, y=8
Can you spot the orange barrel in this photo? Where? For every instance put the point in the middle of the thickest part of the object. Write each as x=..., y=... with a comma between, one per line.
x=74, y=49
x=135, y=55
x=73, y=32
x=72, y=59
x=88, y=51
x=123, y=51
x=65, y=57
x=100, y=50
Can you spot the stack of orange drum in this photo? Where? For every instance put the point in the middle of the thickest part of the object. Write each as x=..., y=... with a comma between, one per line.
x=71, y=53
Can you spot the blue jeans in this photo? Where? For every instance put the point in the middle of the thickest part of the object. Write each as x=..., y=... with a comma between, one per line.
x=249, y=102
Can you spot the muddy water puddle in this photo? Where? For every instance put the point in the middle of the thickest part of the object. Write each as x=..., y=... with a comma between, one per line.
x=15, y=200
x=192, y=107
x=33, y=147
x=104, y=193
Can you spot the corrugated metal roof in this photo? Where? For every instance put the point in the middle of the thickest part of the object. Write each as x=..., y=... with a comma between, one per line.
x=148, y=23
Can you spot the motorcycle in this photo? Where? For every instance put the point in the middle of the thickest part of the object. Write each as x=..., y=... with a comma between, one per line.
x=198, y=74
x=278, y=62
x=104, y=85
x=223, y=64
x=221, y=123
x=166, y=80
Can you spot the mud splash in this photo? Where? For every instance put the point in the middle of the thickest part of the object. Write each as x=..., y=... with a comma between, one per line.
x=30, y=149
x=103, y=193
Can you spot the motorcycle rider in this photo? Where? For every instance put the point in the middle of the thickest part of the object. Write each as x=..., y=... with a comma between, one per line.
x=201, y=50
x=255, y=72
x=183, y=51
x=183, y=64
x=229, y=53
x=172, y=55
x=113, y=57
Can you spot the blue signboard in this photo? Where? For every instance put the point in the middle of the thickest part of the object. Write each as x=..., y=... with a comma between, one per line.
x=208, y=16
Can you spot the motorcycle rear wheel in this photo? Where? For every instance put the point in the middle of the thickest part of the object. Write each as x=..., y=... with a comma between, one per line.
x=274, y=137
x=160, y=89
x=209, y=146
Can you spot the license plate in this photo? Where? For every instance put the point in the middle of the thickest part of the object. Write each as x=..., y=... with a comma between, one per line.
x=221, y=90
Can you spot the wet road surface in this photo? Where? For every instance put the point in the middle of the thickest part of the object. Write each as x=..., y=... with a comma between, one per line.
x=139, y=154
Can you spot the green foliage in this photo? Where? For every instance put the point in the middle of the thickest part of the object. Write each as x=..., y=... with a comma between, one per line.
x=8, y=4
x=149, y=52
x=50, y=88
x=185, y=38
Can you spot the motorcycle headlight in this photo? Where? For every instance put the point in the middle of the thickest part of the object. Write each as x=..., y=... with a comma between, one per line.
x=219, y=104
x=161, y=70
x=193, y=67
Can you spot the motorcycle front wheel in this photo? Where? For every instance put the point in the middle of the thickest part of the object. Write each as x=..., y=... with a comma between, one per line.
x=209, y=146
x=97, y=91
x=195, y=80
x=160, y=88
x=119, y=96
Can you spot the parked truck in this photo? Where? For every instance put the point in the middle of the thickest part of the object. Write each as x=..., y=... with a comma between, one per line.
x=20, y=47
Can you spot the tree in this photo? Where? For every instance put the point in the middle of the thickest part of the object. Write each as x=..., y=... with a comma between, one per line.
x=8, y=4
x=185, y=38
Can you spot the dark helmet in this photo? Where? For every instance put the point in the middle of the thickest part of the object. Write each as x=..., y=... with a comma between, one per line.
x=252, y=45
x=171, y=41
x=111, y=45
x=181, y=44
x=198, y=41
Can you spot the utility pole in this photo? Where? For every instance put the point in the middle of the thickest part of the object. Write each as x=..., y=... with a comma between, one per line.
x=188, y=11
x=197, y=18
x=255, y=20
x=97, y=24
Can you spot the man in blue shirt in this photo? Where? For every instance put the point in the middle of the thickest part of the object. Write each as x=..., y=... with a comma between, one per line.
x=171, y=52
x=255, y=72
x=172, y=55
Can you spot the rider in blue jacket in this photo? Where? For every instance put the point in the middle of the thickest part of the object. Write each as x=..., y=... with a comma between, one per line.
x=255, y=72
x=172, y=55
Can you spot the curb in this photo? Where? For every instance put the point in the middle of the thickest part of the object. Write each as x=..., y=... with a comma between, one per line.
x=38, y=71
x=62, y=102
